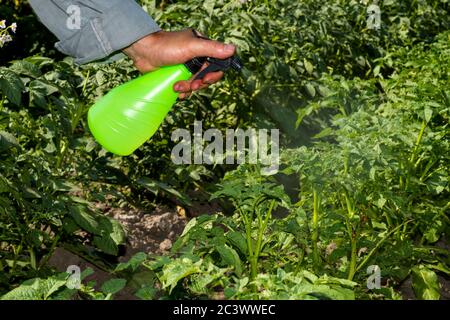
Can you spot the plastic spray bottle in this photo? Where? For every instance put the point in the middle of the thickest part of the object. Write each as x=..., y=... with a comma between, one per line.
x=130, y=114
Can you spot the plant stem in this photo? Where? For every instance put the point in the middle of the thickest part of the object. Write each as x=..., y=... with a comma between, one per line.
x=253, y=255
x=44, y=261
x=16, y=251
x=372, y=252
x=353, y=256
x=248, y=236
x=352, y=236
x=32, y=258
x=2, y=102
x=262, y=229
x=412, y=159
x=315, y=227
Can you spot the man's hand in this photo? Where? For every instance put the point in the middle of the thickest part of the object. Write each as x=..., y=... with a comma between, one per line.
x=168, y=48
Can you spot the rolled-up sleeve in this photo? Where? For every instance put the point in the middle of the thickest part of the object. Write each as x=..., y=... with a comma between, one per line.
x=91, y=30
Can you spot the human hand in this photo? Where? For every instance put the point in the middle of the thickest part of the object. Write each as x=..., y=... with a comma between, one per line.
x=168, y=48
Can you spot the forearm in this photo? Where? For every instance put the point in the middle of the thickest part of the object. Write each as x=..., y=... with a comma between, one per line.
x=105, y=26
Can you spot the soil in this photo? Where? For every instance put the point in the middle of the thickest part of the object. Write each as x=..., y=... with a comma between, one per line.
x=155, y=232
x=149, y=232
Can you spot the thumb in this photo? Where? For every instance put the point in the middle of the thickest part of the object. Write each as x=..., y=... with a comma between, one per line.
x=210, y=48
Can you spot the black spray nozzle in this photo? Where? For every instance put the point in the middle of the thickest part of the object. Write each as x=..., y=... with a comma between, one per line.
x=214, y=64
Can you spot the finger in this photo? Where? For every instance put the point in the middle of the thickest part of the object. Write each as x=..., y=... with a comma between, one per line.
x=210, y=48
x=186, y=86
x=196, y=84
x=182, y=86
x=212, y=77
x=209, y=78
x=204, y=86
x=184, y=95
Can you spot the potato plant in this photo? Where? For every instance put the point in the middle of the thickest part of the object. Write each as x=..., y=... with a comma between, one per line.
x=364, y=175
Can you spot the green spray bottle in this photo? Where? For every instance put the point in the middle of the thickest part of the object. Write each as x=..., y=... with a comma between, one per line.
x=130, y=114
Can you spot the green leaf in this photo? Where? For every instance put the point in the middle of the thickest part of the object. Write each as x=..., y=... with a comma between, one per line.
x=156, y=186
x=142, y=279
x=50, y=148
x=208, y=5
x=440, y=267
x=51, y=285
x=157, y=262
x=39, y=90
x=425, y=283
x=84, y=218
x=30, y=193
x=302, y=113
x=324, y=91
x=113, y=286
x=201, y=283
x=324, y=133
x=176, y=270
x=86, y=273
x=146, y=293
x=133, y=263
x=376, y=70
x=37, y=289
x=229, y=292
x=231, y=258
x=434, y=231
x=11, y=85
x=428, y=113
x=308, y=66
x=64, y=185
x=310, y=90
x=113, y=228
x=109, y=235
x=336, y=293
x=100, y=77
x=7, y=141
x=238, y=240
x=106, y=244
x=26, y=68
x=24, y=292
x=69, y=225
x=66, y=294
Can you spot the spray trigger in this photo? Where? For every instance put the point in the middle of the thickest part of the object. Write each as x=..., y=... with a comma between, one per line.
x=214, y=64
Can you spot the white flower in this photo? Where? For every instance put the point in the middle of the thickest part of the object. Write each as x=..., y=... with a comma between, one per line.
x=14, y=27
x=2, y=24
x=4, y=38
x=2, y=41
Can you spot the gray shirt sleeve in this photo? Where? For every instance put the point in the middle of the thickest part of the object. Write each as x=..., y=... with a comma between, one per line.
x=90, y=30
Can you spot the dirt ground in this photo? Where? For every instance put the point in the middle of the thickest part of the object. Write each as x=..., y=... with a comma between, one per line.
x=150, y=233
x=155, y=232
